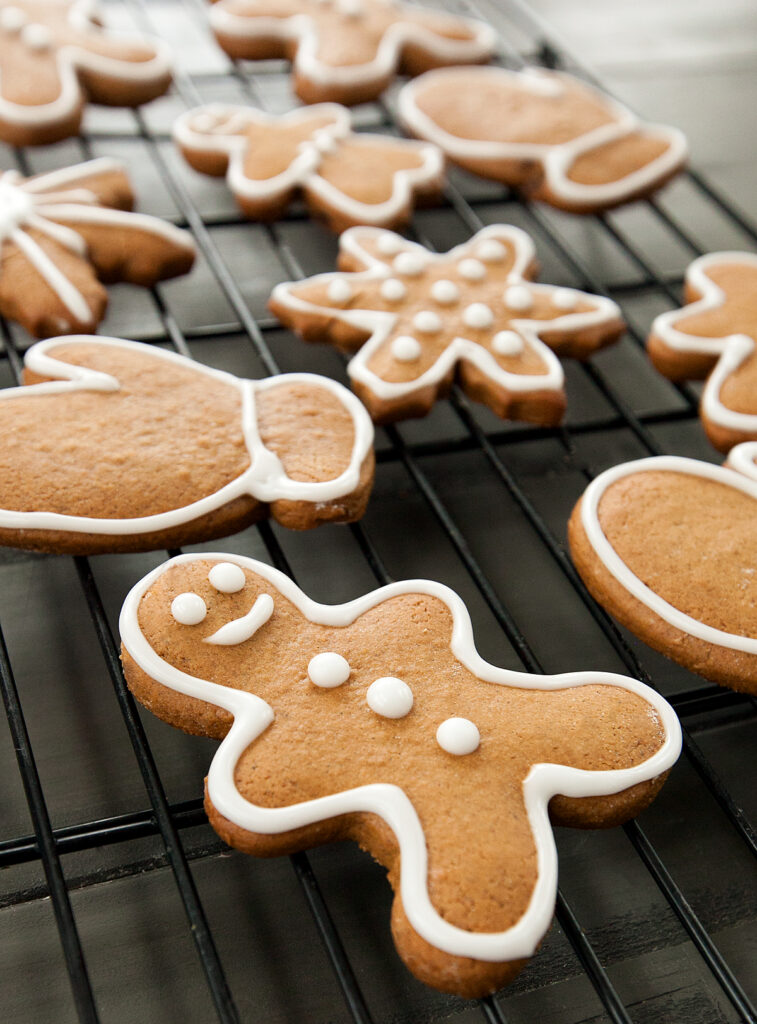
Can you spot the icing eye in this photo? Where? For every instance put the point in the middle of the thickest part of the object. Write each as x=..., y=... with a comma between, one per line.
x=507, y=343
x=445, y=292
x=328, y=670
x=339, y=290
x=565, y=298
x=239, y=630
x=227, y=577
x=519, y=297
x=471, y=270
x=478, y=315
x=458, y=736
x=406, y=349
x=188, y=609
x=389, y=697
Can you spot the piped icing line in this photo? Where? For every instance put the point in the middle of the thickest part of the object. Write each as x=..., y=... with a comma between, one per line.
x=265, y=478
x=252, y=716
x=239, y=630
x=69, y=57
x=57, y=281
x=302, y=29
x=607, y=554
x=556, y=159
x=743, y=458
x=303, y=172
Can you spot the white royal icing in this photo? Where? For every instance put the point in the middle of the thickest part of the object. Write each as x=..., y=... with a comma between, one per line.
x=12, y=19
x=328, y=670
x=252, y=716
x=445, y=292
x=555, y=159
x=565, y=298
x=339, y=290
x=239, y=630
x=188, y=609
x=507, y=343
x=389, y=697
x=471, y=269
x=458, y=736
x=36, y=37
x=227, y=578
x=491, y=251
x=406, y=349
x=265, y=478
x=393, y=290
x=478, y=315
x=427, y=321
x=411, y=264
x=519, y=298
x=626, y=577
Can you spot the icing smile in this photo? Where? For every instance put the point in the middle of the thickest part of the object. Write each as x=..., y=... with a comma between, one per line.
x=239, y=630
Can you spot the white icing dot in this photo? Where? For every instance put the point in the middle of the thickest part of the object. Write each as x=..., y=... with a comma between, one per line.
x=491, y=251
x=325, y=141
x=351, y=8
x=427, y=321
x=393, y=290
x=406, y=348
x=565, y=298
x=445, y=292
x=188, y=609
x=478, y=315
x=36, y=37
x=339, y=290
x=471, y=270
x=328, y=670
x=227, y=577
x=507, y=343
x=389, y=244
x=12, y=19
x=458, y=736
x=412, y=264
x=389, y=697
x=519, y=297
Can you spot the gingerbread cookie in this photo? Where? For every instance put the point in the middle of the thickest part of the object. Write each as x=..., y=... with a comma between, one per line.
x=55, y=54
x=345, y=177
x=61, y=231
x=378, y=721
x=348, y=50
x=714, y=337
x=419, y=319
x=544, y=132
x=669, y=546
x=121, y=446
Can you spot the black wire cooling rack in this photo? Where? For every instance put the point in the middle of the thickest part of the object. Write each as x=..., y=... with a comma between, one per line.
x=120, y=904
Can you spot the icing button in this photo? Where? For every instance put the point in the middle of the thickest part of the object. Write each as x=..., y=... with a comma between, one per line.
x=393, y=290
x=188, y=609
x=411, y=264
x=427, y=321
x=12, y=19
x=36, y=37
x=507, y=343
x=389, y=697
x=227, y=577
x=519, y=298
x=406, y=349
x=458, y=736
x=491, y=251
x=478, y=315
x=339, y=291
x=565, y=298
x=471, y=270
x=328, y=670
x=445, y=292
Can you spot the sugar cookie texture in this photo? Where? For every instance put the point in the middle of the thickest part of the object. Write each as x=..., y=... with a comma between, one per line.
x=348, y=50
x=669, y=546
x=544, y=132
x=345, y=177
x=120, y=446
x=450, y=748
x=64, y=232
x=421, y=320
x=714, y=337
x=55, y=55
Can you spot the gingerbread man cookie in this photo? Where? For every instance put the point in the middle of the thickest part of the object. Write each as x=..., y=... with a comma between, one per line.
x=669, y=546
x=544, y=132
x=121, y=446
x=54, y=55
x=345, y=177
x=714, y=337
x=378, y=721
x=418, y=319
x=348, y=50
x=61, y=231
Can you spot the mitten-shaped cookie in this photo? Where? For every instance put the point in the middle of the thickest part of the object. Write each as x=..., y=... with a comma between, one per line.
x=346, y=177
x=55, y=54
x=64, y=232
x=669, y=546
x=714, y=337
x=544, y=132
x=420, y=320
x=378, y=721
x=348, y=50
x=121, y=446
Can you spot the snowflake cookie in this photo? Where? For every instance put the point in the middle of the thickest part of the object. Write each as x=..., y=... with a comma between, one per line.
x=348, y=51
x=378, y=721
x=419, y=319
x=345, y=177
x=715, y=337
x=55, y=55
x=115, y=446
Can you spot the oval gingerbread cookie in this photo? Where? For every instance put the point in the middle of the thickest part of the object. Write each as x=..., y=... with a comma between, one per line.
x=378, y=721
x=669, y=546
x=116, y=445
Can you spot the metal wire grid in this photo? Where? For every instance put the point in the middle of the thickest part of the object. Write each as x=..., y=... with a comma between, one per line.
x=167, y=820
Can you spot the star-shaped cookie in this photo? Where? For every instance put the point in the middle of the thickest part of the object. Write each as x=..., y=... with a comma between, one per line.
x=348, y=50
x=345, y=177
x=715, y=336
x=420, y=319
x=61, y=231
x=55, y=54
